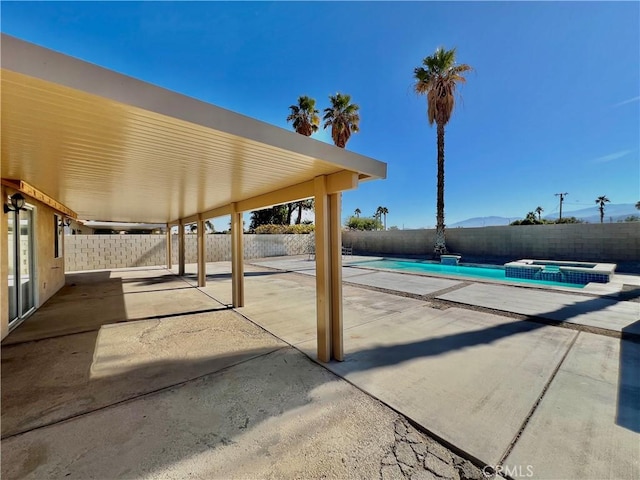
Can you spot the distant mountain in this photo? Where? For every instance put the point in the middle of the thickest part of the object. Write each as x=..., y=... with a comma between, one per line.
x=612, y=212
x=481, y=222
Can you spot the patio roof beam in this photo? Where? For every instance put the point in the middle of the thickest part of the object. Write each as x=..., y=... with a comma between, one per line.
x=190, y=219
x=217, y=212
x=336, y=182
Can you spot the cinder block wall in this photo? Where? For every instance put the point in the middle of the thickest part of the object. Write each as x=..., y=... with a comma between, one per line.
x=94, y=252
x=608, y=242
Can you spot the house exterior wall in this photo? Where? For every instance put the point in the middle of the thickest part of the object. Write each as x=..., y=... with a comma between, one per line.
x=4, y=269
x=608, y=242
x=49, y=271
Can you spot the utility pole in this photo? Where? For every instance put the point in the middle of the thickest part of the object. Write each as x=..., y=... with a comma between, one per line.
x=561, y=195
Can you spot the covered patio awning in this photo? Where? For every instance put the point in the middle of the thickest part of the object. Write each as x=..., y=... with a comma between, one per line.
x=113, y=148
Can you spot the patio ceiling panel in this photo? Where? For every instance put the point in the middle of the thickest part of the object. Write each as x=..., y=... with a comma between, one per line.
x=114, y=148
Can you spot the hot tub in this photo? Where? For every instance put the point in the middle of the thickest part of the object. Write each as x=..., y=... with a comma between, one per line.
x=560, y=271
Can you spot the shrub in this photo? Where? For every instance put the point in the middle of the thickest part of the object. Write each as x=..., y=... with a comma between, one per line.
x=569, y=220
x=363, y=223
x=286, y=229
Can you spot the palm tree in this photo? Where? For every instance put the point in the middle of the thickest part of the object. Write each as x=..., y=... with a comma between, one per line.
x=304, y=116
x=208, y=225
x=384, y=212
x=358, y=212
x=539, y=211
x=305, y=122
x=638, y=205
x=438, y=78
x=308, y=204
x=343, y=118
x=600, y=201
x=380, y=211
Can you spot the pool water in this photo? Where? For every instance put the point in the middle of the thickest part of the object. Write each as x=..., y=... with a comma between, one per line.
x=470, y=271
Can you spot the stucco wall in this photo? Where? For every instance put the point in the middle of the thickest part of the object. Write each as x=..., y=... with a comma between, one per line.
x=608, y=242
x=93, y=252
x=49, y=270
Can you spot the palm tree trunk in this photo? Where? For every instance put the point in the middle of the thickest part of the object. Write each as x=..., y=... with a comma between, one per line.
x=601, y=215
x=289, y=213
x=440, y=247
x=299, y=219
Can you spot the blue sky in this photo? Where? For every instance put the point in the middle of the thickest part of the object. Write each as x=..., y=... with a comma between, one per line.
x=553, y=104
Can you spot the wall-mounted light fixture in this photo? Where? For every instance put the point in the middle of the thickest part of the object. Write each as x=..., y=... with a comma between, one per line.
x=17, y=203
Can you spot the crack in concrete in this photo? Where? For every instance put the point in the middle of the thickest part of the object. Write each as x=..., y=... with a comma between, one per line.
x=416, y=456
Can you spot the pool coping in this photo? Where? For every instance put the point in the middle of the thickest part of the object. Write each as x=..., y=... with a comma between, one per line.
x=612, y=288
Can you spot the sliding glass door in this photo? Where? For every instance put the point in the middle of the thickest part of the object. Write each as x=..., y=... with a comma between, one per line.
x=21, y=293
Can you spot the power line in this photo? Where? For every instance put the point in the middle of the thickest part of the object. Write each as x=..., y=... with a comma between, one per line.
x=561, y=195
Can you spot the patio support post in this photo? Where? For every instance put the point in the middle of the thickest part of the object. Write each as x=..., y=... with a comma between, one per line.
x=168, y=249
x=202, y=264
x=328, y=272
x=335, y=235
x=181, y=248
x=237, y=257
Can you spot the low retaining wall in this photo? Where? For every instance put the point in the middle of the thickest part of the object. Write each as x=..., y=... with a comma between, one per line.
x=94, y=252
x=608, y=242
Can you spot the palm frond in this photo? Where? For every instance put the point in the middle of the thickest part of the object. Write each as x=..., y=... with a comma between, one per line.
x=437, y=79
x=342, y=116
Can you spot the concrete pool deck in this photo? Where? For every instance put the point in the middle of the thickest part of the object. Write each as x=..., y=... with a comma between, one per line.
x=495, y=387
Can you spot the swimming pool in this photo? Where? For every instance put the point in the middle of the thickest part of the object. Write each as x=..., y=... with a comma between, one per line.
x=485, y=272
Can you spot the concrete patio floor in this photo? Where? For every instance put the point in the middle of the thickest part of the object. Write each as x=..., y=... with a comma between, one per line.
x=161, y=379
x=136, y=374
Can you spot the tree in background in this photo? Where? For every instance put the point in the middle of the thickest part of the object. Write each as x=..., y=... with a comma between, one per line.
x=357, y=212
x=304, y=116
x=638, y=205
x=302, y=205
x=363, y=223
x=600, y=201
x=269, y=216
x=209, y=228
x=438, y=78
x=531, y=217
x=343, y=118
x=539, y=211
x=380, y=211
x=305, y=122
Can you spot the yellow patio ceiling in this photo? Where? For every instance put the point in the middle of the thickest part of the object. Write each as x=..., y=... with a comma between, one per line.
x=112, y=147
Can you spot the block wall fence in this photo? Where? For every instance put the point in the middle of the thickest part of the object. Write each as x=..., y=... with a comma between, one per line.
x=609, y=242
x=94, y=252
